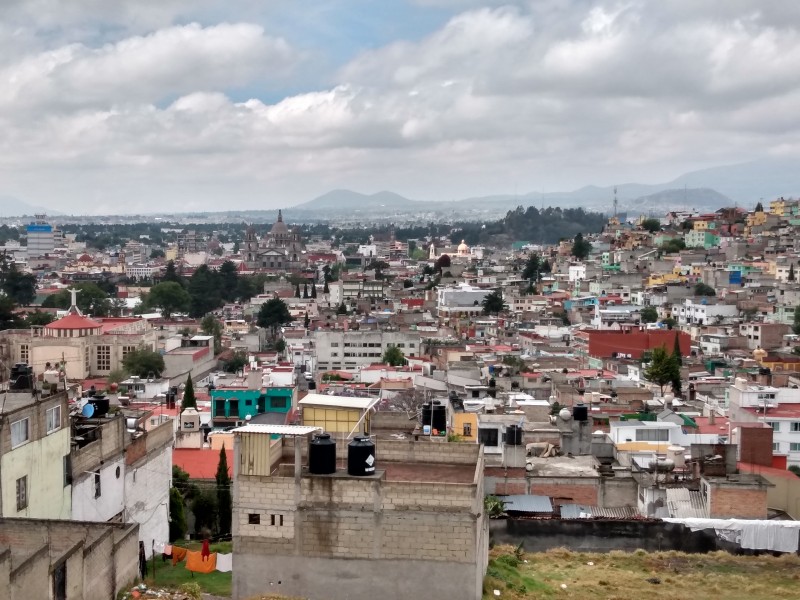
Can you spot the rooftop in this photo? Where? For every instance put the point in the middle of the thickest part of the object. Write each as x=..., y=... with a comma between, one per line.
x=201, y=463
x=337, y=401
x=564, y=466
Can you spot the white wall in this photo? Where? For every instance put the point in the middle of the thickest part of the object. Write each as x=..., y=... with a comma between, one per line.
x=147, y=496
x=85, y=507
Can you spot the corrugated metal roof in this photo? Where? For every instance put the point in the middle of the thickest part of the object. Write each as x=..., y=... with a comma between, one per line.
x=583, y=511
x=527, y=503
x=277, y=429
x=683, y=503
x=337, y=401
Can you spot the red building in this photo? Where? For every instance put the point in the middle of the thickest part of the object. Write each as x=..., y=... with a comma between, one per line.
x=631, y=343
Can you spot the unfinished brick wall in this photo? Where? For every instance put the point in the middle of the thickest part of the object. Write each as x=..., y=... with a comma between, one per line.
x=732, y=502
x=566, y=492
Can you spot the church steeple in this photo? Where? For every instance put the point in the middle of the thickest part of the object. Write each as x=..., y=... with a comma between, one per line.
x=280, y=216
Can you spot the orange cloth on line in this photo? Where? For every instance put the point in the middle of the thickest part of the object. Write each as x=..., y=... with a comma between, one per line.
x=178, y=554
x=195, y=562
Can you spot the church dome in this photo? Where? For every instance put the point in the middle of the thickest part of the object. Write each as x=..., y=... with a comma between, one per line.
x=279, y=228
x=463, y=248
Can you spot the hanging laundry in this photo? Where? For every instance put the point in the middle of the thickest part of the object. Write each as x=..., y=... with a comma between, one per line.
x=178, y=554
x=224, y=562
x=195, y=562
x=159, y=547
x=167, y=553
x=142, y=561
x=205, y=550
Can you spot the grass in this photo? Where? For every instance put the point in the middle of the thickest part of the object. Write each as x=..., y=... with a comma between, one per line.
x=167, y=576
x=637, y=575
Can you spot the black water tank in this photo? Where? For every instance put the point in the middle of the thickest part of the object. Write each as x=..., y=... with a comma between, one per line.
x=426, y=413
x=580, y=412
x=100, y=404
x=21, y=377
x=514, y=435
x=438, y=416
x=322, y=454
x=361, y=457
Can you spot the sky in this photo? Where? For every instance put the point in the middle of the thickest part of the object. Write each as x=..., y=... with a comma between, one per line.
x=139, y=106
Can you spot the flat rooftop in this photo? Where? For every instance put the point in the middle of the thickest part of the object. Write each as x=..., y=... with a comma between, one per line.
x=401, y=472
x=564, y=466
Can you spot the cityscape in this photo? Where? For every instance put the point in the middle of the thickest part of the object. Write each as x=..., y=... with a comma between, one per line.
x=419, y=300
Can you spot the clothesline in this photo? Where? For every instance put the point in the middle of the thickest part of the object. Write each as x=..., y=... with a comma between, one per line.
x=198, y=561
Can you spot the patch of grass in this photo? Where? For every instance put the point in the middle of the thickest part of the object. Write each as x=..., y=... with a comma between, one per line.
x=169, y=577
x=632, y=576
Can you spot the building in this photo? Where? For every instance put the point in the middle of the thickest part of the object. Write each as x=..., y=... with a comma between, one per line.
x=65, y=560
x=349, y=350
x=281, y=250
x=35, y=473
x=630, y=343
x=41, y=238
x=414, y=527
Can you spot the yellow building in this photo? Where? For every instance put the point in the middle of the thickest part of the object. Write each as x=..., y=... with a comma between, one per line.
x=465, y=424
x=337, y=414
x=778, y=207
x=700, y=225
x=665, y=278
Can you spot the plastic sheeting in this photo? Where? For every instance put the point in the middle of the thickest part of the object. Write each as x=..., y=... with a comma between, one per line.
x=750, y=534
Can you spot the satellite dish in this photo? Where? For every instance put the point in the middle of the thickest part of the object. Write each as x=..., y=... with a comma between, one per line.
x=88, y=410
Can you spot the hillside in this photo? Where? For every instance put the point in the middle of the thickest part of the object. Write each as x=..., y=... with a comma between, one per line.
x=619, y=575
x=350, y=200
x=14, y=207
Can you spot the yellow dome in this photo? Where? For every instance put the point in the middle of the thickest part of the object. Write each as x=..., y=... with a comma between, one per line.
x=463, y=248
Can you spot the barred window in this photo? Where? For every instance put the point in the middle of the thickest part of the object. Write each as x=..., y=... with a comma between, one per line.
x=103, y=358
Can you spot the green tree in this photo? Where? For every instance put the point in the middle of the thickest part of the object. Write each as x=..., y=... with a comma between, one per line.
x=228, y=281
x=210, y=325
x=91, y=300
x=394, y=356
x=649, y=314
x=796, y=322
x=19, y=286
x=305, y=290
x=171, y=273
x=156, y=253
x=297, y=291
x=791, y=275
x=273, y=314
x=170, y=297
x=669, y=322
x=443, y=262
x=204, y=291
x=38, y=318
x=651, y=225
x=245, y=289
x=672, y=246
x=189, y=399
x=493, y=303
x=204, y=508
x=8, y=318
x=143, y=362
x=177, y=516
x=702, y=289
x=306, y=321
x=676, y=350
x=237, y=362
x=313, y=290
x=533, y=267
x=280, y=345
x=224, y=504
x=580, y=247
x=341, y=309
x=759, y=207
x=325, y=288
x=663, y=369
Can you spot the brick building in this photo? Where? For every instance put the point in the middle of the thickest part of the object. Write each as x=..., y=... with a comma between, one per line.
x=629, y=343
x=416, y=527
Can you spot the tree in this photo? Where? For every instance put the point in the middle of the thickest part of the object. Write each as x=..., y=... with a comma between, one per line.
x=228, y=281
x=493, y=303
x=393, y=356
x=702, y=289
x=580, y=247
x=663, y=368
x=305, y=290
x=443, y=262
x=90, y=299
x=325, y=288
x=533, y=267
x=297, y=291
x=313, y=290
x=210, y=325
x=38, y=319
x=791, y=276
x=672, y=246
x=177, y=516
x=8, y=318
x=189, y=399
x=669, y=322
x=224, y=504
x=651, y=225
x=204, y=508
x=19, y=286
x=280, y=345
x=171, y=273
x=237, y=362
x=157, y=253
x=649, y=314
x=759, y=207
x=273, y=314
x=204, y=291
x=341, y=309
x=170, y=297
x=306, y=321
x=143, y=362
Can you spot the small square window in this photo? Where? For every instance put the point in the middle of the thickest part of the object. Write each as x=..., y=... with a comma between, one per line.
x=22, y=493
x=254, y=519
x=272, y=520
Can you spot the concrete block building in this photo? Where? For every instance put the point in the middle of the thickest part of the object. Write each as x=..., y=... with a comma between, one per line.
x=413, y=528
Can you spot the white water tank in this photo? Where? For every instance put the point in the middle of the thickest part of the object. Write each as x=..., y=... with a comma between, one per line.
x=677, y=454
x=565, y=414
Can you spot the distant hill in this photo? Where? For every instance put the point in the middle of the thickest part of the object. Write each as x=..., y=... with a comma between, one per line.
x=14, y=207
x=703, y=199
x=350, y=200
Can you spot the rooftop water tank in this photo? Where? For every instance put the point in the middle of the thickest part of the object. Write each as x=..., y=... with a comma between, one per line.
x=438, y=416
x=514, y=435
x=580, y=412
x=360, y=457
x=677, y=454
x=564, y=414
x=322, y=454
x=426, y=413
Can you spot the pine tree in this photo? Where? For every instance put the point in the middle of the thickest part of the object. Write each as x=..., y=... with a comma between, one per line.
x=791, y=276
x=306, y=321
x=189, y=400
x=663, y=369
x=305, y=290
x=676, y=350
x=297, y=291
x=224, y=504
x=325, y=288
x=313, y=291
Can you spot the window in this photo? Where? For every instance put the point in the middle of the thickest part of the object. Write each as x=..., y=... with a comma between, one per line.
x=776, y=446
x=24, y=353
x=20, y=432
x=103, y=358
x=776, y=426
x=488, y=437
x=127, y=350
x=278, y=402
x=652, y=435
x=53, y=419
x=794, y=447
x=254, y=519
x=97, y=491
x=22, y=493
x=467, y=429
x=795, y=426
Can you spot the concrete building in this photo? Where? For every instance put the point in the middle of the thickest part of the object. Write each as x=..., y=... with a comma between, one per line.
x=349, y=350
x=41, y=239
x=703, y=312
x=64, y=560
x=413, y=528
x=34, y=456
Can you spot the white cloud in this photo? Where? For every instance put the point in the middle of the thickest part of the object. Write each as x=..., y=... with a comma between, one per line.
x=538, y=95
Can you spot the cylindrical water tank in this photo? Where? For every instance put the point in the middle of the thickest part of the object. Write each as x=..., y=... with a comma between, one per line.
x=564, y=414
x=580, y=412
x=514, y=435
x=322, y=454
x=677, y=454
x=438, y=416
x=360, y=457
x=426, y=413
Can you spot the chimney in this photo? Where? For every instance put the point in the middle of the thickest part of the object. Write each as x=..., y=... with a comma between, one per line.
x=712, y=417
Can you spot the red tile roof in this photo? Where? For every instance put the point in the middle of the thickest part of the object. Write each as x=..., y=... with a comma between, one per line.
x=73, y=321
x=200, y=463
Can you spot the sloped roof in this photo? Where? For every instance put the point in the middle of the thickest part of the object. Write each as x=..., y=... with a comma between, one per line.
x=73, y=321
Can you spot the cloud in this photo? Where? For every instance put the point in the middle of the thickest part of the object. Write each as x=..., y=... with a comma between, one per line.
x=546, y=94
